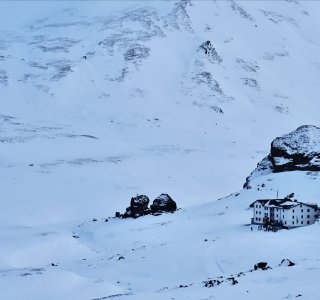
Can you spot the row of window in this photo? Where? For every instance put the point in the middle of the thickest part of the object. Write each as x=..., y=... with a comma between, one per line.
x=308, y=210
x=266, y=214
x=297, y=222
x=308, y=217
x=277, y=209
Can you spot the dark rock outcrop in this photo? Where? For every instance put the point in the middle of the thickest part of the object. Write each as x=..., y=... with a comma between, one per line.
x=211, y=52
x=137, y=52
x=138, y=207
x=207, y=47
x=233, y=280
x=163, y=203
x=212, y=282
x=297, y=151
x=290, y=196
x=261, y=265
x=287, y=262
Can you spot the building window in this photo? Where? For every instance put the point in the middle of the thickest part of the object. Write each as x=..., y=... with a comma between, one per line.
x=308, y=222
x=293, y=210
x=300, y=205
x=259, y=206
x=282, y=216
x=301, y=210
x=308, y=210
x=302, y=222
x=301, y=216
x=256, y=219
x=308, y=216
x=292, y=217
x=292, y=222
x=285, y=222
x=277, y=216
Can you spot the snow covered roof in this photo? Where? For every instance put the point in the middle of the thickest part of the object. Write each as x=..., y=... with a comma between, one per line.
x=313, y=205
x=268, y=201
x=263, y=202
x=282, y=203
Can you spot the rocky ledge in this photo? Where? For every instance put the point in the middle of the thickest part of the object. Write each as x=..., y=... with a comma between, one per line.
x=297, y=151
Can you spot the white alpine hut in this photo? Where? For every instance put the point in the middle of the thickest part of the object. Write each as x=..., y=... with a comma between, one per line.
x=285, y=213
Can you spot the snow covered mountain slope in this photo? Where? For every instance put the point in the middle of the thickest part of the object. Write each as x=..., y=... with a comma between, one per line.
x=103, y=100
x=110, y=99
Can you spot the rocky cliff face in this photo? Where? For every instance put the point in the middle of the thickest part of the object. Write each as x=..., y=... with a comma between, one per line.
x=297, y=151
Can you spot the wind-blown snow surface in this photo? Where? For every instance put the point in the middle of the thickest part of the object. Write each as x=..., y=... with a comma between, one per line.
x=103, y=100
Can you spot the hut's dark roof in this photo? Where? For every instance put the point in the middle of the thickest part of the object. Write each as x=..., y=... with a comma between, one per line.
x=273, y=201
x=282, y=203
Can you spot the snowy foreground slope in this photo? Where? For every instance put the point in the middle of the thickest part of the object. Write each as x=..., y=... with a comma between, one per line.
x=168, y=256
x=206, y=251
x=100, y=101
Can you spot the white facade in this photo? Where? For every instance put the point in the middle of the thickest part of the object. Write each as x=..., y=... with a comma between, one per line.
x=258, y=212
x=284, y=212
x=300, y=215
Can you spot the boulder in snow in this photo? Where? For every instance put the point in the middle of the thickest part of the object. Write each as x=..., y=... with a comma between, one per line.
x=163, y=203
x=138, y=207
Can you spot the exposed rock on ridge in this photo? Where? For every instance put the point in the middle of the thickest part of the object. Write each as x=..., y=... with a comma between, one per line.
x=297, y=151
